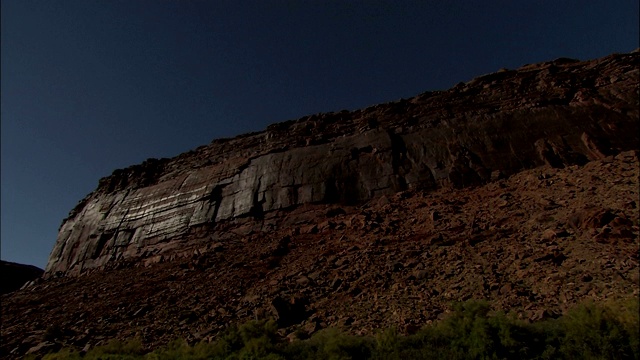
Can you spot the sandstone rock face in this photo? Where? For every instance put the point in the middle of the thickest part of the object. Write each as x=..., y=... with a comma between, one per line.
x=534, y=245
x=559, y=113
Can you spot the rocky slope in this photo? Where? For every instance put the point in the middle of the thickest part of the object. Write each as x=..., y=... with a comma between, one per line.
x=560, y=113
x=534, y=244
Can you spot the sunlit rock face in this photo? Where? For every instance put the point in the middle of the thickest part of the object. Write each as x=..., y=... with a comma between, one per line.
x=560, y=113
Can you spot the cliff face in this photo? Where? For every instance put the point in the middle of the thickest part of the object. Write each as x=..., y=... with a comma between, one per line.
x=558, y=113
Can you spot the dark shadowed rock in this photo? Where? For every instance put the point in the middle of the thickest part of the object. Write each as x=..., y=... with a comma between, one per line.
x=14, y=275
x=289, y=312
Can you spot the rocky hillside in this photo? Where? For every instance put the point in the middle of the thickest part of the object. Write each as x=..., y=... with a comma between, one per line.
x=534, y=244
x=518, y=187
x=560, y=113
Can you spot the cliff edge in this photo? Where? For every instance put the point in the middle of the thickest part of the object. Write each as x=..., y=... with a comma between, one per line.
x=559, y=113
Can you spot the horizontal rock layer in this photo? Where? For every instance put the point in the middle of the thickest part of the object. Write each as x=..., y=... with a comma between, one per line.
x=534, y=245
x=559, y=113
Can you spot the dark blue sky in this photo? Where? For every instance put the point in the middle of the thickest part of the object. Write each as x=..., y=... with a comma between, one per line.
x=91, y=86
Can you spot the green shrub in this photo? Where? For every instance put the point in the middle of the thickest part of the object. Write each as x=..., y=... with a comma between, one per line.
x=116, y=349
x=388, y=344
x=607, y=331
x=470, y=331
x=64, y=354
x=177, y=349
x=330, y=344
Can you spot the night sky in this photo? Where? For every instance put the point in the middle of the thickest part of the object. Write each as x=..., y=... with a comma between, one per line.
x=91, y=86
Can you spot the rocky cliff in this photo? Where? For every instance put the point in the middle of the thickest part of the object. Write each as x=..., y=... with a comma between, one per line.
x=559, y=113
x=532, y=245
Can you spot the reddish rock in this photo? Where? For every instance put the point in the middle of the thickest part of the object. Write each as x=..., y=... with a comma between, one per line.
x=219, y=270
x=502, y=122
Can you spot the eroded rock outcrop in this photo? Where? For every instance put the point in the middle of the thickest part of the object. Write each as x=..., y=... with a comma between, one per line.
x=533, y=245
x=559, y=113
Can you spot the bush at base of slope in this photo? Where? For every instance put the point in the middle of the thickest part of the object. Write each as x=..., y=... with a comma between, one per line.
x=471, y=331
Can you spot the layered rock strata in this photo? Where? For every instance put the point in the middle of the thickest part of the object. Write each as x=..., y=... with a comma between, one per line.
x=533, y=245
x=558, y=113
